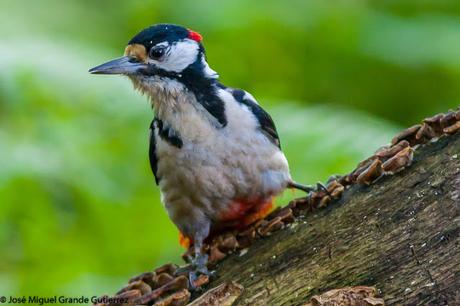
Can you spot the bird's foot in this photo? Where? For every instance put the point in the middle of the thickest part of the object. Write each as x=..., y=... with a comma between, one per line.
x=321, y=187
x=199, y=267
x=310, y=189
x=318, y=195
x=334, y=177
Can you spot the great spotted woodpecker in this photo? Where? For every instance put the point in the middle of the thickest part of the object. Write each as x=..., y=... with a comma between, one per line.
x=214, y=152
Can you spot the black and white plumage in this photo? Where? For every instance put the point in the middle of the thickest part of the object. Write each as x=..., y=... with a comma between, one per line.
x=215, y=153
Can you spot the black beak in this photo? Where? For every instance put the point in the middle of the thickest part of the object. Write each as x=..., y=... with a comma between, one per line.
x=123, y=65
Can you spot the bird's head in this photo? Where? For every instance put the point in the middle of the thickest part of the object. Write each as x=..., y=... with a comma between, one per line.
x=161, y=53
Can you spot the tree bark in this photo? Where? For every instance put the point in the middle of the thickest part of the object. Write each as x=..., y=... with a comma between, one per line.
x=400, y=234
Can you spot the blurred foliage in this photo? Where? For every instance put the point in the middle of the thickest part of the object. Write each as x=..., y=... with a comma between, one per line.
x=79, y=211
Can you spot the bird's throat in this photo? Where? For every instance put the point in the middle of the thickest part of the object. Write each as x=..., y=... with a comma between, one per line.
x=165, y=95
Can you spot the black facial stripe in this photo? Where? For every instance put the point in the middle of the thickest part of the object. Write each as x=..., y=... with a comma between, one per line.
x=168, y=134
x=152, y=70
x=265, y=121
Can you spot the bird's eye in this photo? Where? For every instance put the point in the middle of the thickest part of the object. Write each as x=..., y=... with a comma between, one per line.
x=157, y=52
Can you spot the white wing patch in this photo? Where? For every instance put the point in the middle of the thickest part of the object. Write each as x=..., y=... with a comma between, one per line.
x=247, y=95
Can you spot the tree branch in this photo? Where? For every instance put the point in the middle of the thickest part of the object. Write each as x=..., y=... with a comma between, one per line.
x=398, y=233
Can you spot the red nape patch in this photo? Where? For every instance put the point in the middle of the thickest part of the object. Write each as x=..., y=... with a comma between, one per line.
x=195, y=36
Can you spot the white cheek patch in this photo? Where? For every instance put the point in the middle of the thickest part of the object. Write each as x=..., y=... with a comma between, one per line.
x=179, y=56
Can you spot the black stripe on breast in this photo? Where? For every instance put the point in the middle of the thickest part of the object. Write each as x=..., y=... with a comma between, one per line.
x=168, y=134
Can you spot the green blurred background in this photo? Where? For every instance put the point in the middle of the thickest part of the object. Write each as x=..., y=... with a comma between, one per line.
x=79, y=210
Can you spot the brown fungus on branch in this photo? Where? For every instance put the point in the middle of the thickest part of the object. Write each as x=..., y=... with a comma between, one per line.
x=228, y=242
x=448, y=119
x=435, y=123
x=284, y=213
x=407, y=134
x=372, y=173
x=324, y=201
x=216, y=255
x=271, y=226
x=176, y=284
x=337, y=192
x=166, y=268
x=452, y=128
x=457, y=115
x=201, y=281
x=399, y=161
x=147, y=277
x=163, y=279
x=425, y=133
x=139, y=285
x=129, y=295
x=389, y=151
x=246, y=237
x=299, y=205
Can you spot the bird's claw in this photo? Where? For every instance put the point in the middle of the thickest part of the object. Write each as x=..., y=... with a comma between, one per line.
x=194, y=276
x=321, y=187
x=199, y=267
x=309, y=189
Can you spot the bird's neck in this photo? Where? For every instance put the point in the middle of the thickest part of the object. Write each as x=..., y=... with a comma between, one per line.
x=179, y=102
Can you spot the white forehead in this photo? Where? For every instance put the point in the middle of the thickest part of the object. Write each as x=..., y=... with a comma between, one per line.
x=179, y=55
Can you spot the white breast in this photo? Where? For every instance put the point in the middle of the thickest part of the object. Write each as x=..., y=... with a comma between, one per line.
x=215, y=166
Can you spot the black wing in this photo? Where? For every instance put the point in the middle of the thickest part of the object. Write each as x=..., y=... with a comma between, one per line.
x=265, y=121
x=152, y=152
